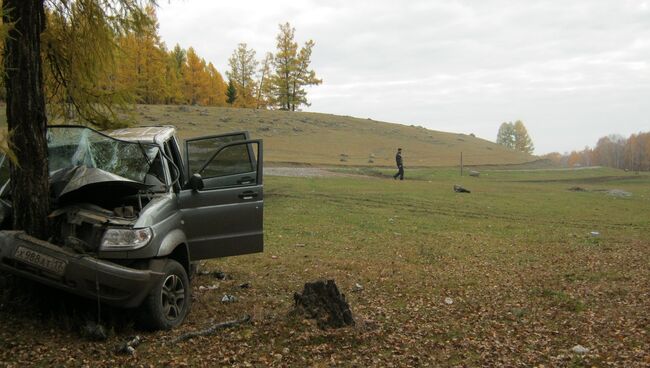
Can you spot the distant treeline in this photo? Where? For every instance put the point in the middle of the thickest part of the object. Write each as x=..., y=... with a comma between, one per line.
x=91, y=71
x=614, y=151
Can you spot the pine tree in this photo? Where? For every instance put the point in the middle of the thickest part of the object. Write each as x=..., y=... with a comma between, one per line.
x=231, y=93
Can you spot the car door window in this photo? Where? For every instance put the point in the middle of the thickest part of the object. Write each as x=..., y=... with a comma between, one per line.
x=221, y=163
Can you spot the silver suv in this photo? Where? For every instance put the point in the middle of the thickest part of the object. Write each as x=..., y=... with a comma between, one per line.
x=133, y=211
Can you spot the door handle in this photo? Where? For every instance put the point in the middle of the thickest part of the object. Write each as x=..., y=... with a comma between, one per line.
x=245, y=180
x=249, y=194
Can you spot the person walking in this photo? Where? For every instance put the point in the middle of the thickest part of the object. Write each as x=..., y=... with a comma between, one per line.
x=400, y=166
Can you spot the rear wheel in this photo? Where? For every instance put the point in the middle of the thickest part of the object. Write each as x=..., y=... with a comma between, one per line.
x=168, y=303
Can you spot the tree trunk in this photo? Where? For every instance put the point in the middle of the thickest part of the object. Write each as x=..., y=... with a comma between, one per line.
x=26, y=117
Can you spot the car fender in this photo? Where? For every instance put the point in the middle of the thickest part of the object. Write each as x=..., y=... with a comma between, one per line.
x=171, y=241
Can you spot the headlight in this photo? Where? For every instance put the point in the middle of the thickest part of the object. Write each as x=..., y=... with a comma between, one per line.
x=126, y=239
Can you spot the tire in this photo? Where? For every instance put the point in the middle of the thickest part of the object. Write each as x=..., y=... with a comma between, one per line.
x=169, y=300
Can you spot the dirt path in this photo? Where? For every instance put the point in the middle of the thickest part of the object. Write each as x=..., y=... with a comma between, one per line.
x=305, y=172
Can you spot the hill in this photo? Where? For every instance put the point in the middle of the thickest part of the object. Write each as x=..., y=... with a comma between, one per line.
x=305, y=138
x=324, y=139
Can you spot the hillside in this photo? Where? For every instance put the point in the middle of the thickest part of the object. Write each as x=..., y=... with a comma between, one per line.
x=321, y=139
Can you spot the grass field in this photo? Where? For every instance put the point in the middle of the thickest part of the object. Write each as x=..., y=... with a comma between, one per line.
x=527, y=279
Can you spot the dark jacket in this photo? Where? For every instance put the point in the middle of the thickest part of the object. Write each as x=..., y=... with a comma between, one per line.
x=398, y=159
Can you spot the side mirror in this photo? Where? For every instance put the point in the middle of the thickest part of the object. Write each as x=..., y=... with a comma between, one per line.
x=196, y=182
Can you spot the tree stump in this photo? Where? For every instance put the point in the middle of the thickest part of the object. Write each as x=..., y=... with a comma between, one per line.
x=323, y=302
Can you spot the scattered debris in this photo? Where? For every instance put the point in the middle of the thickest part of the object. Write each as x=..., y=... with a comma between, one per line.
x=459, y=189
x=619, y=193
x=577, y=189
x=209, y=287
x=474, y=173
x=94, y=331
x=212, y=329
x=357, y=287
x=449, y=301
x=220, y=275
x=128, y=347
x=579, y=349
x=322, y=301
x=594, y=233
x=245, y=285
x=228, y=298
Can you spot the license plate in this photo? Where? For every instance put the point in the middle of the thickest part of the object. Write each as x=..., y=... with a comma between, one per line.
x=41, y=260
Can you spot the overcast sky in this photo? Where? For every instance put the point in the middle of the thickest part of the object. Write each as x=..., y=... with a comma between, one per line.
x=572, y=71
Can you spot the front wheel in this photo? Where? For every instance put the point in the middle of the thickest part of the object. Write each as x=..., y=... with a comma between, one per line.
x=168, y=303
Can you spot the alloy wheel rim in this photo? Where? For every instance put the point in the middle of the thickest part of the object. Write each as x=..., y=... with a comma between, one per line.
x=173, y=297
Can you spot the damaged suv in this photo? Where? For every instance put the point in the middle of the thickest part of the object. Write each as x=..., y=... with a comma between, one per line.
x=133, y=212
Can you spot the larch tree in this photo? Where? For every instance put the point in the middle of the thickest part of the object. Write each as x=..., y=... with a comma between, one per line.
x=264, y=85
x=175, y=69
x=196, y=79
x=217, y=90
x=77, y=59
x=292, y=70
x=523, y=142
x=303, y=76
x=243, y=66
x=506, y=135
x=284, y=63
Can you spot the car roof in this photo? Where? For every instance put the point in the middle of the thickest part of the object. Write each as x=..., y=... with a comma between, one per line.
x=152, y=134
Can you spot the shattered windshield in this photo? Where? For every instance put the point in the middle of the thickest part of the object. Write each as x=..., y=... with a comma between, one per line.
x=70, y=146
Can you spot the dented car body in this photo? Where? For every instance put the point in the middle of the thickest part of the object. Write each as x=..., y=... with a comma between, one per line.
x=132, y=212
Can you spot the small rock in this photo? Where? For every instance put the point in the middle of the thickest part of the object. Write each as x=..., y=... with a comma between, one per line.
x=594, y=233
x=579, y=349
x=300, y=245
x=274, y=257
x=357, y=287
x=219, y=275
x=228, y=299
x=245, y=285
x=94, y=331
x=619, y=193
x=577, y=189
x=460, y=189
x=449, y=301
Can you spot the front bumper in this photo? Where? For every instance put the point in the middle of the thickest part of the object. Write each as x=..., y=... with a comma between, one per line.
x=79, y=274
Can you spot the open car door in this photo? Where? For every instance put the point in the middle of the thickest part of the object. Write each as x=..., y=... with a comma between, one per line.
x=223, y=209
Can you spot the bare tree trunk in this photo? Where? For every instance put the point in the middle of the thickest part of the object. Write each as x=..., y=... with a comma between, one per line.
x=26, y=117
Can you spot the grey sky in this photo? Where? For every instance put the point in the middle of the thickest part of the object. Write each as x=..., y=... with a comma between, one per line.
x=573, y=71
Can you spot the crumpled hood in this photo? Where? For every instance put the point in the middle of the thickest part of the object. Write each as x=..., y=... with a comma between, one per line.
x=81, y=180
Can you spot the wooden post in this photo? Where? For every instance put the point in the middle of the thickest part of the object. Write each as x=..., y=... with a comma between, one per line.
x=461, y=164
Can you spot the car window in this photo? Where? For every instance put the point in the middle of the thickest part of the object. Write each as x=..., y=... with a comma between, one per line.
x=231, y=160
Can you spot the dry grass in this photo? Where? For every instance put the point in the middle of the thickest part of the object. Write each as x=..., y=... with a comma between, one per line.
x=322, y=139
x=527, y=280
